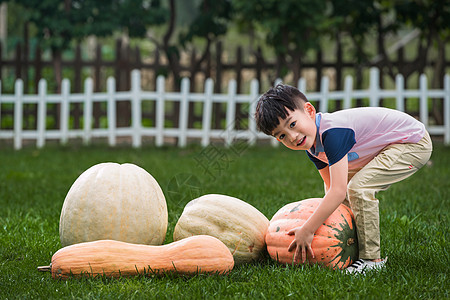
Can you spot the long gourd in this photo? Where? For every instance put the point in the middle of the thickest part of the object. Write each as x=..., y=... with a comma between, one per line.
x=197, y=254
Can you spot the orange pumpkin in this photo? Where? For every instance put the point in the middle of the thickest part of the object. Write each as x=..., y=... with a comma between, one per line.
x=335, y=243
x=197, y=254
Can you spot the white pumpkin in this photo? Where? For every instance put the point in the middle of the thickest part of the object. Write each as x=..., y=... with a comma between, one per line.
x=239, y=225
x=120, y=202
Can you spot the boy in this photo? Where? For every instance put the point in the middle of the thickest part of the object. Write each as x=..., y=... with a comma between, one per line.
x=357, y=152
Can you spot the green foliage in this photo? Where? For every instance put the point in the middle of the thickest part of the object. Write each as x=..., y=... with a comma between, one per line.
x=430, y=16
x=358, y=19
x=137, y=16
x=292, y=26
x=33, y=183
x=288, y=28
x=210, y=23
x=60, y=22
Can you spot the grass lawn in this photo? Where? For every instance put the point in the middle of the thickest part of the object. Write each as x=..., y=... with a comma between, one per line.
x=33, y=184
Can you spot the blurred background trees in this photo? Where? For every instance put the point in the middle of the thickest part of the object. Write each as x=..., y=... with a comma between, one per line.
x=367, y=31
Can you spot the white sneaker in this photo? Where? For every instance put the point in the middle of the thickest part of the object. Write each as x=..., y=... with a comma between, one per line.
x=362, y=265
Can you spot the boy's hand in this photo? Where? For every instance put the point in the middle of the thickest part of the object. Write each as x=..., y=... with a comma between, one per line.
x=301, y=243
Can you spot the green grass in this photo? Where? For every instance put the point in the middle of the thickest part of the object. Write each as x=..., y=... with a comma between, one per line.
x=33, y=185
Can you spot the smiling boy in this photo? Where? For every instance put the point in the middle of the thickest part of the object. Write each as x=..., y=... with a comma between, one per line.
x=357, y=152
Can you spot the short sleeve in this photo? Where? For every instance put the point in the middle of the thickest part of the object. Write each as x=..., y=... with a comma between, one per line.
x=319, y=164
x=337, y=142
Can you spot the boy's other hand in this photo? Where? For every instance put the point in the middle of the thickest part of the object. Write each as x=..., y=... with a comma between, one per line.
x=301, y=243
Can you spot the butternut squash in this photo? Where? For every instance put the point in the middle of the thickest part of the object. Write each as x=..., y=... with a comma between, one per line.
x=197, y=254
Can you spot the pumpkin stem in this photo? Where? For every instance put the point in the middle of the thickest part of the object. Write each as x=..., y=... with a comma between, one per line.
x=45, y=268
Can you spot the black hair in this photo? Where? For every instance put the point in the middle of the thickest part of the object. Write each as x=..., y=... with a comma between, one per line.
x=272, y=105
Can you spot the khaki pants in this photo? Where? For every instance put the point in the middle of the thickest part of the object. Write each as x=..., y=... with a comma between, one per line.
x=393, y=164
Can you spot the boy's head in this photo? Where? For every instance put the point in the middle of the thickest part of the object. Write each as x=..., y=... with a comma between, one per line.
x=272, y=106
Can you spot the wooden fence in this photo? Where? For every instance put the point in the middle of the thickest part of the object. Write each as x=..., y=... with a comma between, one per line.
x=157, y=130
x=31, y=64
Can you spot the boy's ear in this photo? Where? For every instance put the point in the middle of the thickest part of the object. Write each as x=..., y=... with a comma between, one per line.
x=310, y=110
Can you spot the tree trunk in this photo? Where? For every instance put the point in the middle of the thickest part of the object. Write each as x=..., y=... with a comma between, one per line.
x=171, y=51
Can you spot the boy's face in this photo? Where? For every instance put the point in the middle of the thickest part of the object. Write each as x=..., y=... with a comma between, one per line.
x=298, y=130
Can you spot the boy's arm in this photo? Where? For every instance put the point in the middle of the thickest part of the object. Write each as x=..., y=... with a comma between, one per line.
x=304, y=235
x=325, y=174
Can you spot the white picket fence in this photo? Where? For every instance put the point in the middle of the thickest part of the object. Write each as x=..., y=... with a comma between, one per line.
x=136, y=95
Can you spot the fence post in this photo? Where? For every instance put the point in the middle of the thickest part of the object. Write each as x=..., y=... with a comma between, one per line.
x=136, y=111
x=319, y=66
x=231, y=113
x=184, y=111
x=238, y=68
x=42, y=113
x=97, y=66
x=219, y=66
x=254, y=91
x=160, y=110
x=1, y=59
x=88, y=90
x=0, y=88
x=446, y=108
x=348, y=89
x=18, y=60
x=339, y=62
x=259, y=64
x=37, y=67
x=274, y=141
x=301, y=84
x=400, y=89
x=77, y=66
x=324, y=89
x=423, y=86
x=111, y=110
x=18, y=114
x=65, y=110
x=374, y=87
x=207, y=109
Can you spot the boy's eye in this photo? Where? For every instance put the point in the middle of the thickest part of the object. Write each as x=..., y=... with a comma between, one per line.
x=292, y=124
x=281, y=136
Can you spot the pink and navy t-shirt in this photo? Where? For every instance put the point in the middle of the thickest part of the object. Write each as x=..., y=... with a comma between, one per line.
x=361, y=133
